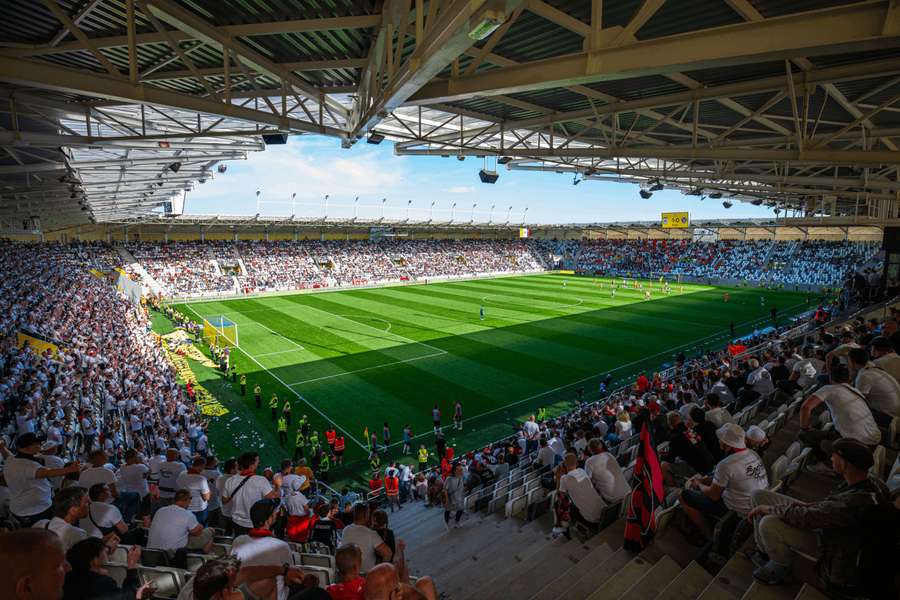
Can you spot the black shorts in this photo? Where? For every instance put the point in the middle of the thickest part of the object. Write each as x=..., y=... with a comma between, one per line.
x=338, y=452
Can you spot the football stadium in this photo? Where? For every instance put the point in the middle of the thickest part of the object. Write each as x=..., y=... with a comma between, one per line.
x=434, y=299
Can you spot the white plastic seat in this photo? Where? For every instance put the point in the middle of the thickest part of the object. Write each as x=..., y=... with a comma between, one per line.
x=310, y=559
x=793, y=451
x=516, y=505
x=167, y=581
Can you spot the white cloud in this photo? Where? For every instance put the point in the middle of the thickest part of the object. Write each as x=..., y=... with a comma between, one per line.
x=461, y=189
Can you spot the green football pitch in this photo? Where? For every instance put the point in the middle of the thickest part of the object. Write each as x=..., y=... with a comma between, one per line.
x=358, y=358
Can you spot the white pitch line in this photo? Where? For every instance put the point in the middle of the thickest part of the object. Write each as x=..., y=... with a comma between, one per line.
x=280, y=352
x=292, y=390
x=396, y=362
x=579, y=303
x=299, y=347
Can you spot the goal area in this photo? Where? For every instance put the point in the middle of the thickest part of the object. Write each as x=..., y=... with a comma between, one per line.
x=221, y=332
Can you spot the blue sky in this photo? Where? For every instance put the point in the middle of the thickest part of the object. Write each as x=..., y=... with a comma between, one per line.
x=313, y=166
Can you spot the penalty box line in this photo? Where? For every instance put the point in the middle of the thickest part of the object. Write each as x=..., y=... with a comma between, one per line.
x=396, y=362
x=293, y=391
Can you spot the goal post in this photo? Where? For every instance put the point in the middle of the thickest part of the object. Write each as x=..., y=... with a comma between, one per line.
x=220, y=331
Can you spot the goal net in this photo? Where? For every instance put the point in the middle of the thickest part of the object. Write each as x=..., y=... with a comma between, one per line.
x=221, y=332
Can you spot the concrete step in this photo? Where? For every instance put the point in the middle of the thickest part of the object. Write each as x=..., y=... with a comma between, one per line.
x=448, y=548
x=595, y=557
x=658, y=577
x=465, y=580
x=808, y=592
x=619, y=583
x=689, y=584
x=588, y=583
x=732, y=581
x=533, y=573
x=761, y=591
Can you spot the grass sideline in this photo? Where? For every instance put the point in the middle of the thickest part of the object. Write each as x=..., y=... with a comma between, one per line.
x=356, y=358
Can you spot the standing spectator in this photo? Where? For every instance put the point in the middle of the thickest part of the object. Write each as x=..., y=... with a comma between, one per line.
x=576, y=484
x=168, y=476
x=102, y=517
x=245, y=489
x=532, y=435
x=231, y=470
x=133, y=477
x=30, y=498
x=380, y=526
x=194, y=481
x=369, y=542
x=454, y=496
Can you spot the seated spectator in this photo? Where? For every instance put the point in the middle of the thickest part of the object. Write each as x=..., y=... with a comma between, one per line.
x=227, y=578
x=30, y=492
x=850, y=415
x=420, y=487
x=884, y=356
x=706, y=431
x=260, y=548
x=576, y=484
x=386, y=582
x=102, y=517
x=324, y=530
x=350, y=584
x=687, y=455
x=757, y=439
x=90, y=579
x=735, y=478
x=760, y=379
x=34, y=565
x=546, y=456
x=69, y=507
x=605, y=473
x=836, y=530
x=715, y=412
x=881, y=390
x=174, y=527
x=369, y=542
x=806, y=370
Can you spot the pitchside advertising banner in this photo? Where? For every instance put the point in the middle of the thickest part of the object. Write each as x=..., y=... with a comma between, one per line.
x=675, y=220
x=39, y=343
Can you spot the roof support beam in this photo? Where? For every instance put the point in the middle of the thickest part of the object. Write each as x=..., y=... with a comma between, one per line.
x=848, y=28
x=48, y=76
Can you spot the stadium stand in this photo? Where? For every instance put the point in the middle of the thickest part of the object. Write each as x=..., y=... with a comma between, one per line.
x=542, y=520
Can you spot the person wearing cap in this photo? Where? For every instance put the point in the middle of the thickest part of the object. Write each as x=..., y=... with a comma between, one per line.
x=884, y=356
x=757, y=440
x=850, y=415
x=259, y=547
x=733, y=481
x=29, y=480
x=832, y=529
x=881, y=390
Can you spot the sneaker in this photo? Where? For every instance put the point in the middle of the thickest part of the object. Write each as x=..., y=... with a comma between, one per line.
x=773, y=574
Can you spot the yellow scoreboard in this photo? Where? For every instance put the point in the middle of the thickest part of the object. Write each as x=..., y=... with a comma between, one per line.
x=675, y=220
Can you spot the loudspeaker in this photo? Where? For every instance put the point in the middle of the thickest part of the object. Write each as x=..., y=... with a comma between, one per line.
x=275, y=138
x=488, y=176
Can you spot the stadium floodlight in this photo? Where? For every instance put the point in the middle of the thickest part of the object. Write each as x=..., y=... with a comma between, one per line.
x=488, y=176
x=355, y=207
x=508, y=210
x=503, y=160
x=645, y=194
x=491, y=216
x=222, y=167
x=175, y=167
x=575, y=180
x=375, y=138
x=408, y=203
x=383, y=200
x=657, y=186
x=715, y=195
x=293, y=204
x=325, y=207
x=473, y=212
x=727, y=204
x=756, y=202
x=257, y=202
x=452, y=211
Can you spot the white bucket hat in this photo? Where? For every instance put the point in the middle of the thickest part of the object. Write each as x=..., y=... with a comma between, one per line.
x=755, y=433
x=732, y=435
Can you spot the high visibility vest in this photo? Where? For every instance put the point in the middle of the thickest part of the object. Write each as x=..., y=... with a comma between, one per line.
x=282, y=424
x=392, y=486
x=375, y=462
x=325, y=464
x=287, y=406
x=257, y=390
x=423, y=455
x=243, y=380
x=330, y=435
x=339, y=444
x=314, y=439
x=273, y=402
x=300, y=439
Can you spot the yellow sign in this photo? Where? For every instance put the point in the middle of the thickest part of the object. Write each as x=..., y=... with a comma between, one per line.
x=676, y=220
x=38, y=343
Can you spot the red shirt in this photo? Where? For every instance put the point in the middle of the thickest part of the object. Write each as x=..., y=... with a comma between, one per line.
x=352, y=590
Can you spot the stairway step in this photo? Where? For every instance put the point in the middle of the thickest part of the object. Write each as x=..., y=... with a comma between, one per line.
x=449, y=548
x=689, y=584
x=619, y=583
x=593, y=579
x=533, y=573
x=732, y=581
x=761, y=591
x=658, y=577
x=595, y=557
x=808, y=592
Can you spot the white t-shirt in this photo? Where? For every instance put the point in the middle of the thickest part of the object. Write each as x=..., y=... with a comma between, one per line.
x=718, y=416
x=880, y=388
x=607, y=477
x=196, y=483
x=740, y=474
x=220, y=486
x=215, y=500
x=96, y=475
x=133, y=478
x=104, y=515
x=263, y=552
x=252, y=492
x=51, y=461
x=532, y=431
x=367, y=539
x=850, y=413
x=168, y=478
x=761, y=380
x=546, y=456
x=807, y=369
x=287, y=482
x=171, y=528
x=296, y=504
x=577, y=484
x=890, y=363
x=27, y=496
x=69, y=535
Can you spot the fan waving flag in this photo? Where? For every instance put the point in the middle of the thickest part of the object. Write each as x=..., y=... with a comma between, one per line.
x=648, y=494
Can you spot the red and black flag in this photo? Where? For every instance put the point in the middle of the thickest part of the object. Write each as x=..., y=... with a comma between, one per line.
x=648, y=494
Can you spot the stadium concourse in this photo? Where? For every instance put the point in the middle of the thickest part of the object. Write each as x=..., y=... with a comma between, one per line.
x=111, y=489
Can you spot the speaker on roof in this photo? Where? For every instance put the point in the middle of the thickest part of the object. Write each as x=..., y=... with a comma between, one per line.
x=375, y=138
x=275, y=138
x=488, y=176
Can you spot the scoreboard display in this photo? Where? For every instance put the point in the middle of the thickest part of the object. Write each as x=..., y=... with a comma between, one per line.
x=676, y=220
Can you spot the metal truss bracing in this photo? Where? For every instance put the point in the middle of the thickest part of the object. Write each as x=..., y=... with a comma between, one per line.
x=793, y=104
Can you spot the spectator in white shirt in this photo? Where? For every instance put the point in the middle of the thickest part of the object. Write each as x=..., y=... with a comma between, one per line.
x=532, y=435
x=577, y=485
x=175, y=527
x=760, y=379
x=195, y=482
x=127, y=502
x=168, y=476
x=715, y=412
x=69, y=507
x=133, y=477
x=28, y=479
x=605, y=473
x=546, y=456
x=367, y=539
x=295, y=503
x=230, y=470
x=214, y=507
x=260, y=548
x=102, y=517
x=48, y=452
x=881, y=390
x=245, y=489
x=884, y=356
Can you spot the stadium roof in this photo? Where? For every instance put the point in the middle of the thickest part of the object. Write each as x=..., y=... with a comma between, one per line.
x=112, y=107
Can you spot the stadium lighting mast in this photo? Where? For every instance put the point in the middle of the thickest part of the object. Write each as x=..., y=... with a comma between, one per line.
x=491, y=217
x=408, y=203
x=325, y=207
x=508, y=210
x=431, y=212
x=383, y=200
x=473, y=212
x=293, y=205
x=523, y=215
x=355, y=207
x=452, y=211
x=257, y=201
